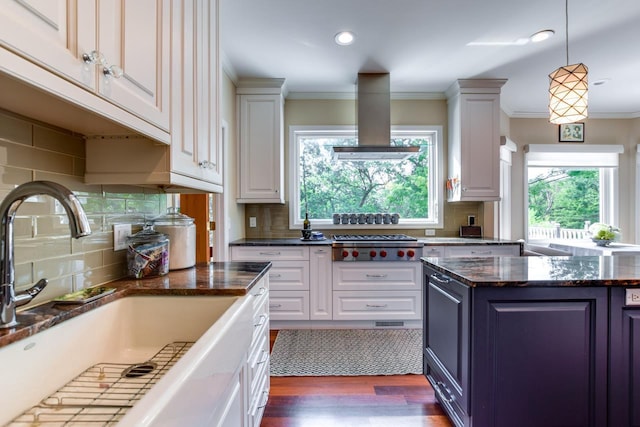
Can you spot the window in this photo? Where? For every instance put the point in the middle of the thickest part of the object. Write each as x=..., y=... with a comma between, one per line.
x=570, y=188
x=323, y=186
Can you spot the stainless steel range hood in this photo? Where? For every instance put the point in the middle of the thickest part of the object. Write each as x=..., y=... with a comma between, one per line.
x=374, y=123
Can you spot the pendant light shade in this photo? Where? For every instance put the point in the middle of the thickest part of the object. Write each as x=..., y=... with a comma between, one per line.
x=568, y=88
x=568, y=92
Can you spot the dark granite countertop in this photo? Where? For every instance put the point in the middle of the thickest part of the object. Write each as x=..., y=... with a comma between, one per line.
x=556, y=271
x=428, y=241
x=211, y=279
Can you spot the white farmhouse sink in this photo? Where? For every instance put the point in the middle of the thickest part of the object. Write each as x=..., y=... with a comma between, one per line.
x=132, y=330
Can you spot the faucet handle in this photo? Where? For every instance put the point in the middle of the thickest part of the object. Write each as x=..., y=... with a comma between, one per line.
x=24, y=297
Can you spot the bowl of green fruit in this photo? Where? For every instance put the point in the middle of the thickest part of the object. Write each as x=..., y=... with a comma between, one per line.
x=603, y=237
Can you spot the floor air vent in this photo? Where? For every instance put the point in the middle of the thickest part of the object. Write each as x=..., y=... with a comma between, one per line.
x=394, y=324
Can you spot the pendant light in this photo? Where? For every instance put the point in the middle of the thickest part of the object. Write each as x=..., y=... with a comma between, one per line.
x=568, y=88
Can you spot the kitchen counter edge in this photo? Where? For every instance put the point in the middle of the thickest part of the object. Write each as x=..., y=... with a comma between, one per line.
x=429, y=241
x=541, y=271
x=206, y=279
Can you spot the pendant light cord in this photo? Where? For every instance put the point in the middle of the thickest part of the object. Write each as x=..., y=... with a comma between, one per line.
x=566, y=28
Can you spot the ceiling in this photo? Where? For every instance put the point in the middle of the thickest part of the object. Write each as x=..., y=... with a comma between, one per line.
x=424, y=45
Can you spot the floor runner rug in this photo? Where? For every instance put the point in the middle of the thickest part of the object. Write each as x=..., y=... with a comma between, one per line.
x=346, y=352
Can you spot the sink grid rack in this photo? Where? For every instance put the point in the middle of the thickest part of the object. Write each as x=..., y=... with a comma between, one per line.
x=102, y=394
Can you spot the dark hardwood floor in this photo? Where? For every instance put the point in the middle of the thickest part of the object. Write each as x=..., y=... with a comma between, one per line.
x=366, y=401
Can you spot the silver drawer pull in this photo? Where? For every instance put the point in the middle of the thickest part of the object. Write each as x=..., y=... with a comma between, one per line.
x=265, y=357
x=440, y=388
x=270, y=253
x=377, y=276
x=263, y=319
x=275, y=276
x=440, y=279
x=261, y=292
x=265, y=394
x=376, y=305
x=481, y=252
x=275, y=305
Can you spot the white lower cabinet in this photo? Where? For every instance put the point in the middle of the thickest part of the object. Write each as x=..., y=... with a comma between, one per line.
x=377, y=305
x=482, y=251
x=320, y=284
x=255, y=375
x=377, y=291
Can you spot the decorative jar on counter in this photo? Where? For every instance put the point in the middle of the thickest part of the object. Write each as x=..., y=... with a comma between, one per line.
x=147, y=253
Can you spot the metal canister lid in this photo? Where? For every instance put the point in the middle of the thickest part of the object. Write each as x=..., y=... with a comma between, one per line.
x=147, y=235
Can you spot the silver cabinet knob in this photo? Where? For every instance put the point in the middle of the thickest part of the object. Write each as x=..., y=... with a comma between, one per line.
x=93, y=57
x=113, y=71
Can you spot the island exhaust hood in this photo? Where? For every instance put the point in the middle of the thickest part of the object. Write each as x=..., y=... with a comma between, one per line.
x=374, y=123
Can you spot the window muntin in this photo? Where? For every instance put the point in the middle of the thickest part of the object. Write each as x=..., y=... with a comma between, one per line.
x=328, y=186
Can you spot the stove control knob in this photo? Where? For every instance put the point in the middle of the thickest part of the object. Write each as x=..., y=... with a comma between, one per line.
x=355, y=254
x=411, y=253
x=372, y=254
x=383, y=254
x=345, y=254
x=400, y=254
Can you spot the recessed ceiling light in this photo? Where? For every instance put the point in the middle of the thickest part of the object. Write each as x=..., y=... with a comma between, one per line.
x=345, y=38
x=600, y=82
x=541, y=35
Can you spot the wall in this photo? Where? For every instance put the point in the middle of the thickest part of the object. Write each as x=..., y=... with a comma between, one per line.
x=43, y=247
x=625, y=132
x=273, y=219
x=234, y=215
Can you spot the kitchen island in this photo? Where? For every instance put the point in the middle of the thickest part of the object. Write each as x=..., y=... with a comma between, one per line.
x=534, y=341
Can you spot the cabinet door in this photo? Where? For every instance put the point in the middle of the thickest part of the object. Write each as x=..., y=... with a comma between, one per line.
x=261, y=157
x=134, y=36
x=446, y=343
x=320, y=284
x=624, y=365
x=52, y=33
x=539, y=356
x=195, y=140
x=480, y=150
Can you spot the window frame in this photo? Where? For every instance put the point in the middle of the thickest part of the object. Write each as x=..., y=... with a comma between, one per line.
x=436, y=186
x=592, y=156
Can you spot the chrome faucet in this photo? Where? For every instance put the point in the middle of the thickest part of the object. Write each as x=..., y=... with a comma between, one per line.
x=78, y=223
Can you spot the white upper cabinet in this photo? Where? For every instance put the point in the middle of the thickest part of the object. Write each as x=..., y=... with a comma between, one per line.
x=133, y=37
x=193, y=161
x=50, y=33
x=261, y=141
x=108, y=57
x=474, y=140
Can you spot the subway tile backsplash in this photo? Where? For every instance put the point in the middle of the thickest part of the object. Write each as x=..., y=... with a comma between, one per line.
x=43, y=246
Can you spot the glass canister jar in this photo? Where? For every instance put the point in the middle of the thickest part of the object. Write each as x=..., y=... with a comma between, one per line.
x=181, y=230
x=147, y=253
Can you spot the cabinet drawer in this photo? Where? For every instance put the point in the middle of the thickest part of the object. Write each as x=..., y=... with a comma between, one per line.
x=447, y=395
x=433, y=251
x=289, y=305
x=289, y=276
x=395, y=305
x=377, y=276
x=482, y=251
x=269, y=253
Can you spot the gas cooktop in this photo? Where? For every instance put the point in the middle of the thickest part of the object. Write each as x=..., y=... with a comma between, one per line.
x=372, y=237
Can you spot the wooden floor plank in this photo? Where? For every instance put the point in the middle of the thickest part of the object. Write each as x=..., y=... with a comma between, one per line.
x=342, y=401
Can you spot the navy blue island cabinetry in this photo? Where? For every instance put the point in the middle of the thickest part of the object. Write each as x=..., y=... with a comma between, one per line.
x=507, y=343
